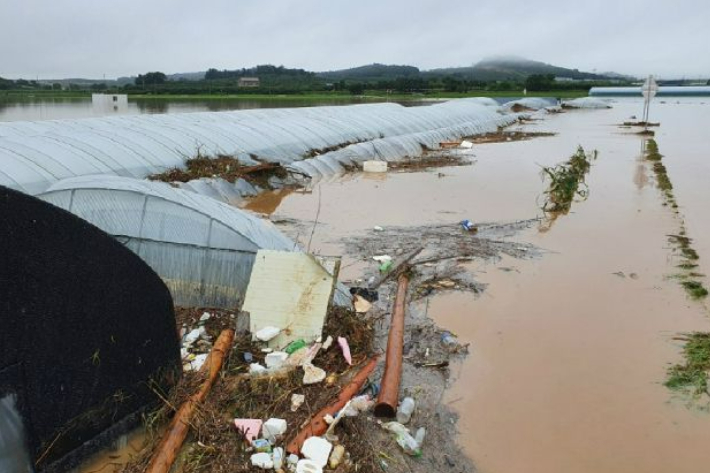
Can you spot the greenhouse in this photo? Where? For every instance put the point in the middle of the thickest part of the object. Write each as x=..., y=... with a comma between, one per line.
x=663, y=91
x=37, y=154
x=202, y=249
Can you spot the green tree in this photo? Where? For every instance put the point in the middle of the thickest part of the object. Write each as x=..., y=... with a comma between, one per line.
x=151, y=78
x=540, y=82
x=356, y=88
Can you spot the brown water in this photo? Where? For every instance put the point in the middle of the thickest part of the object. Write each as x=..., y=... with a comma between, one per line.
x=567, y=361
x=113, y=459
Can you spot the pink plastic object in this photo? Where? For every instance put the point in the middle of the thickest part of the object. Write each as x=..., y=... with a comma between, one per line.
x=346, y=350
x=249, y=427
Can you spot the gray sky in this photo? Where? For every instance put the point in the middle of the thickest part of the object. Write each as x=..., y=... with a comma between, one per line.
x=89, y=38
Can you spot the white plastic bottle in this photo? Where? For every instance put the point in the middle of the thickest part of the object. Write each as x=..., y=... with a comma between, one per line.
x=405, y=410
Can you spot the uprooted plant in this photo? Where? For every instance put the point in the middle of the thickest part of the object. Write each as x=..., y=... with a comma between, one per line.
x=692, y=375
x=567, y=182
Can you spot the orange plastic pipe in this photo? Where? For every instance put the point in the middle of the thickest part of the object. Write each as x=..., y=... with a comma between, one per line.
x=172, y=441
x=317, y=425
x=389, y=388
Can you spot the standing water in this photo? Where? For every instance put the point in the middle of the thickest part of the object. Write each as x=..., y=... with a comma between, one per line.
x=569, y=351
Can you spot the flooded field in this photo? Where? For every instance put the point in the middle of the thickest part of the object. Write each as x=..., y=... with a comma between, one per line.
x=569, y=350
x=12, y=109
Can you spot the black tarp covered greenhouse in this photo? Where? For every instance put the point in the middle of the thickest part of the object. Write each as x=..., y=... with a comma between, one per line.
x=87, y=331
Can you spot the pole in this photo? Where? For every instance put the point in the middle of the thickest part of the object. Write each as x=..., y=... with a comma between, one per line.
x=389, y=391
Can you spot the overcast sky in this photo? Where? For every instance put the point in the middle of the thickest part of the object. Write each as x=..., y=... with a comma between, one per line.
x=90, y=38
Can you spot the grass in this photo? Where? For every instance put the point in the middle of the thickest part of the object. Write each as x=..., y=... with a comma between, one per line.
x=695, y=289
x=567, y=182
x=692, y=375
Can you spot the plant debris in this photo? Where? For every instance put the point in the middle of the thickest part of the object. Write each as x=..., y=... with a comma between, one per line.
x=692, y=376
x=567, y=182
x=215, y=445
x=681, y=242
x=226, y=167
x=502, y=136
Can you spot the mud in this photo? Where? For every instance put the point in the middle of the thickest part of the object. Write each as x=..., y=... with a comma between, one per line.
x=504, y=136
x=567, y=359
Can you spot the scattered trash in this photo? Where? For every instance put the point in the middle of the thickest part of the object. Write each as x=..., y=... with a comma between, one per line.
x=295, y=345
x=248, y=357
x=469, y=226
x=405, y=410
x=447, y=338
x=261, y=445
x=328, y=342
x=409, y=444
x=297, y=401
x=196, y=362
x=317, y=450
x=290, y=289
x=466, y=144
x=386, y=266
x=267, y=350
x=273, y=429
x=317, y=426
x=256, y=368
x=346, y=350
x=267, y=333
x=194, y=335
x=249, y=427
x=307, y=466
x=262, y=460
x=377, y=228
x=382, y=258
x=204, y=318
x=374, y=166
x=368, y=294
x=358, y=404
x=312, y=374
x=277, y=457
x=361, y=305
x=336, y=457
x=275, y=359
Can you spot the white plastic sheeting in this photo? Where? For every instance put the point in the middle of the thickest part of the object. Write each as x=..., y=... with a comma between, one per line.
x=663, y=91
x=531, y=103
x=203, y=249
x=586, y=102
x=36, y=154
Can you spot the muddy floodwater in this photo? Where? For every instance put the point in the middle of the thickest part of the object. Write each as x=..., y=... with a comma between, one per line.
x=568, y=350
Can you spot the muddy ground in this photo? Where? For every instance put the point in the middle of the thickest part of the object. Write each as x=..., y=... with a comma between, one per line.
x=438, y=268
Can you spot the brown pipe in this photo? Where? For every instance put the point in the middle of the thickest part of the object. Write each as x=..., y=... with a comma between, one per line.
x=317, y=425
x=172, y=440
x=389, y=388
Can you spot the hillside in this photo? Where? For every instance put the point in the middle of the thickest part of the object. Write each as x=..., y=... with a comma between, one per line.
x=510, y=68
x=370, y=73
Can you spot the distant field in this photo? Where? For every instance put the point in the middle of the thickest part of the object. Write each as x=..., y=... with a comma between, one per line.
x=374, y=95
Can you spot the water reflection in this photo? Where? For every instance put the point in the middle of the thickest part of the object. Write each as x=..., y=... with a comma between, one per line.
x=40, y=108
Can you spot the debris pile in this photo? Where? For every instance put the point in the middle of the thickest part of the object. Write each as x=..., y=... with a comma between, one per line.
x=222, y=166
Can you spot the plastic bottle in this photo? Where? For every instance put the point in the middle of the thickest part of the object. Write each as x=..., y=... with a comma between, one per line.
x=405, y=410
x=336, y=457
x=404, y=439
x=419, y=436
x=294, y=346
x=448, y=339
x=386, y=266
